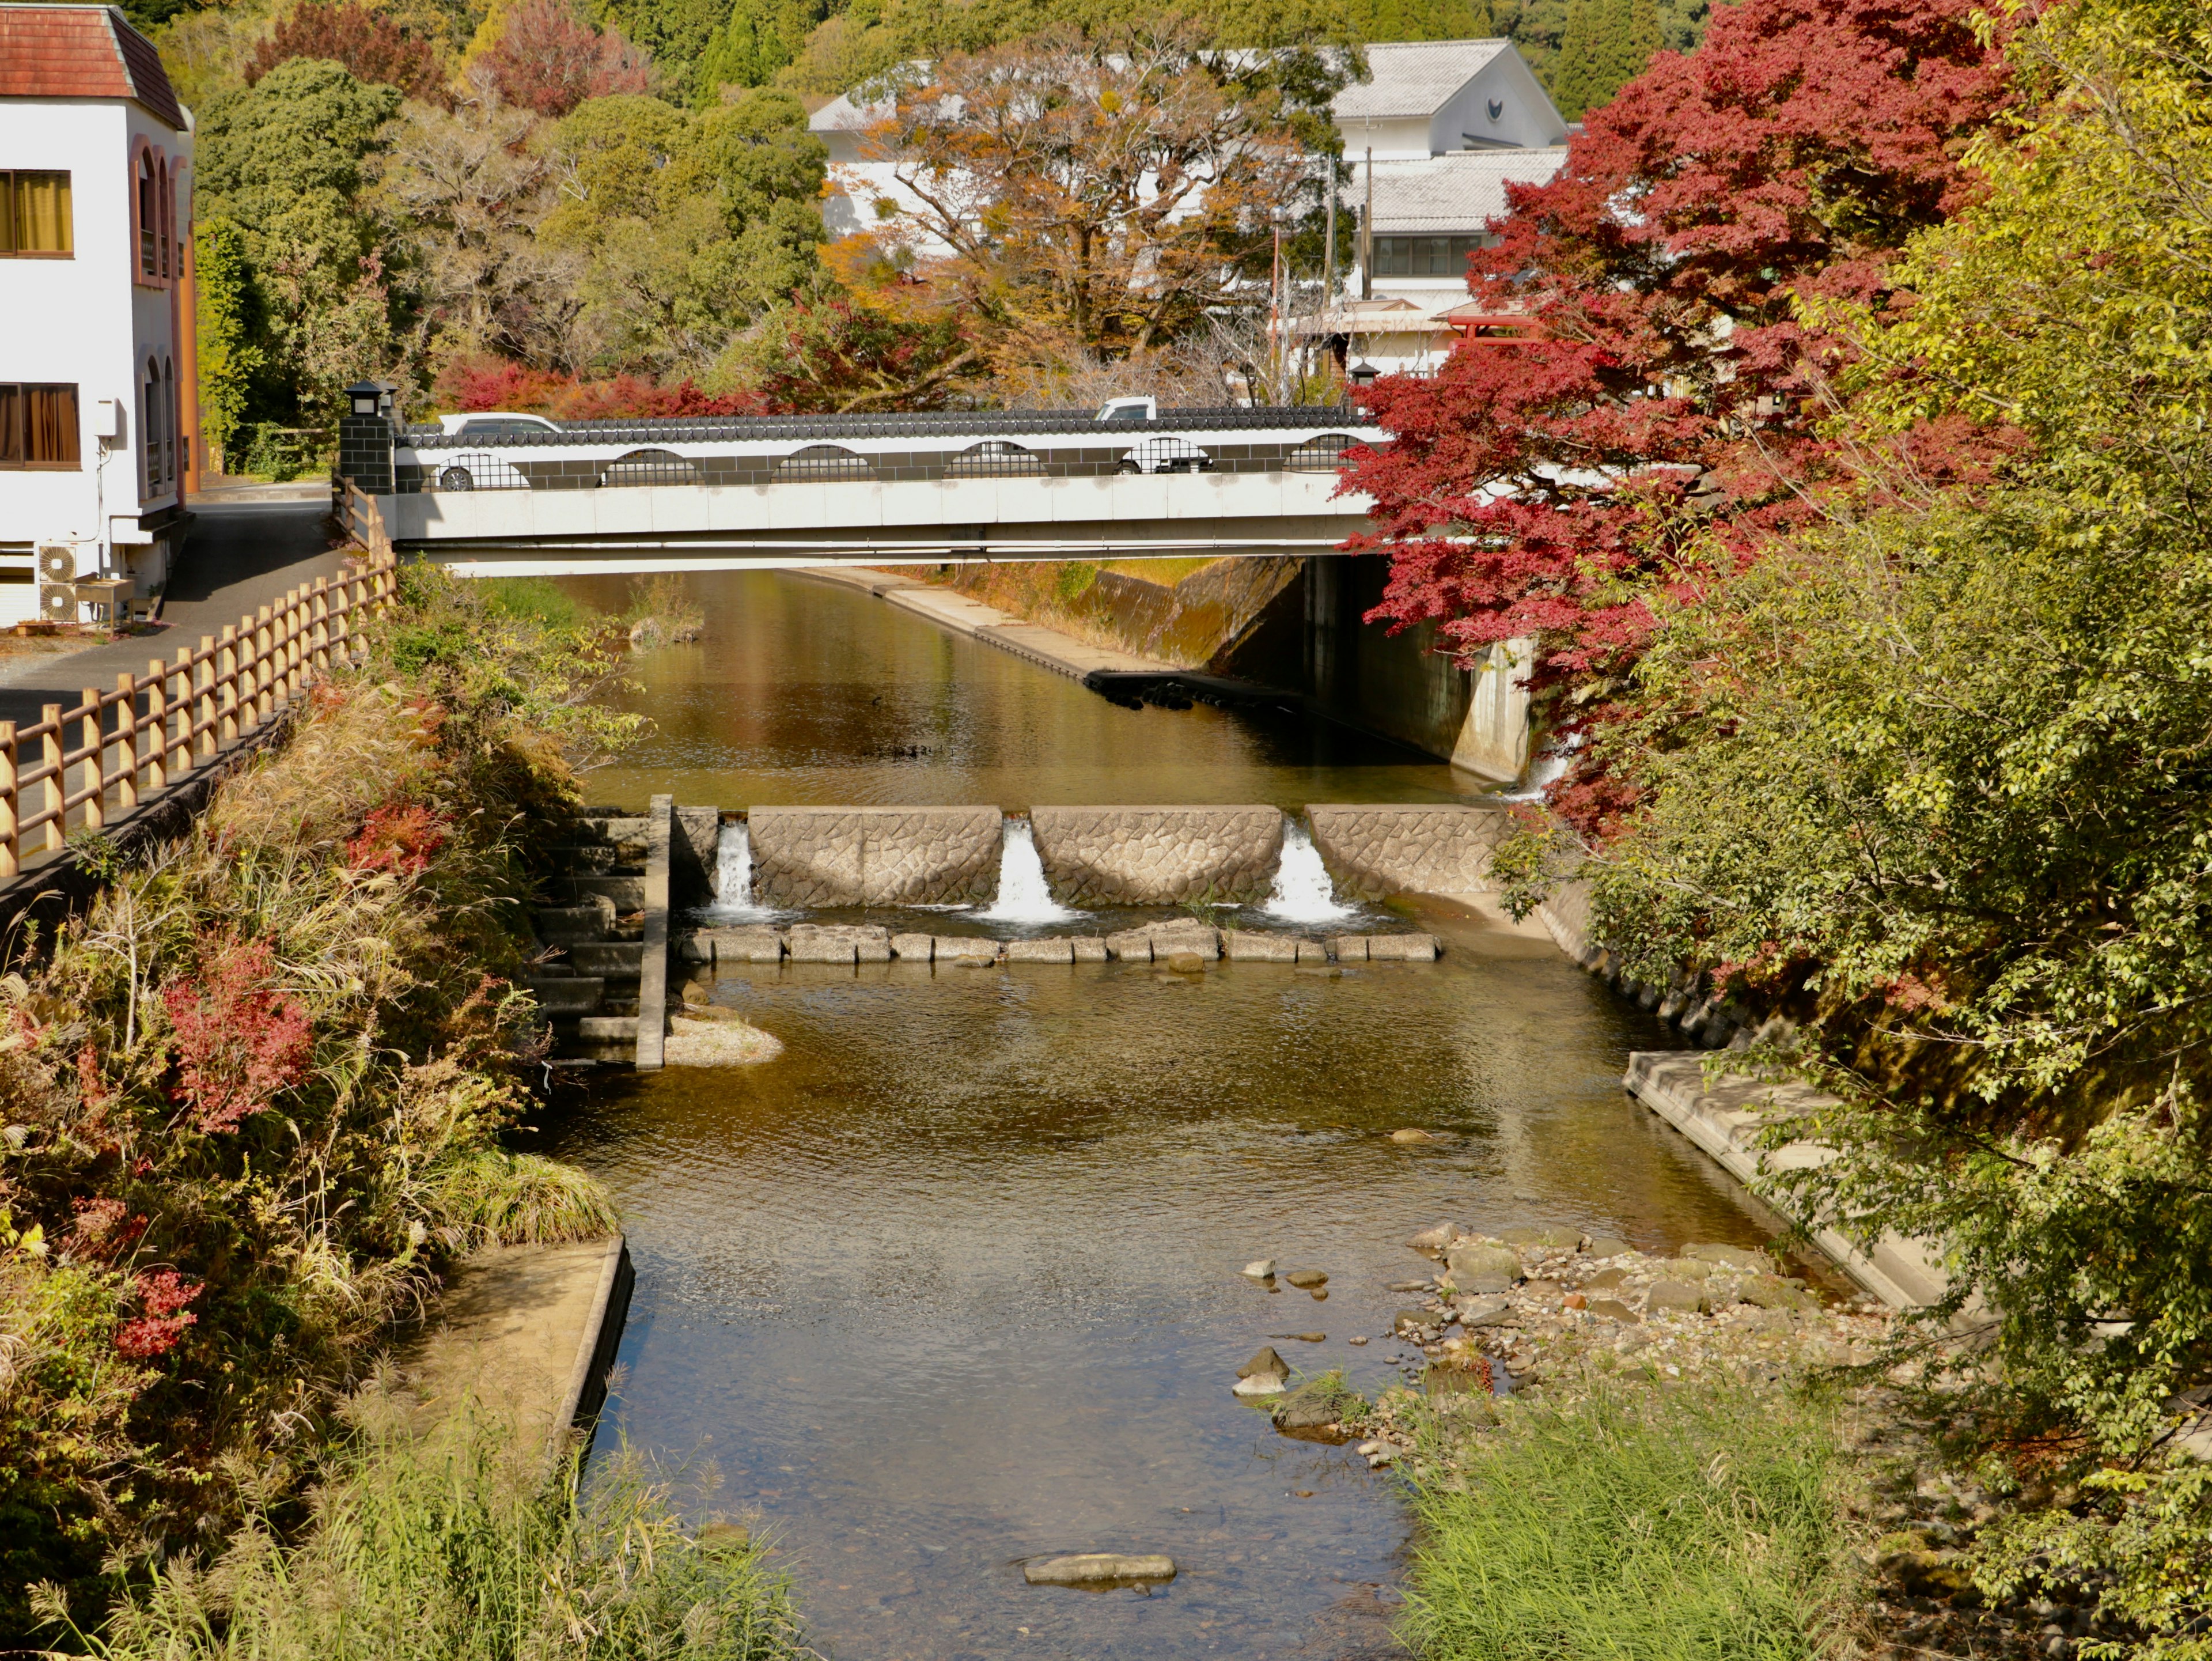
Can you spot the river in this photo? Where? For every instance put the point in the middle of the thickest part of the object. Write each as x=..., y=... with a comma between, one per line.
x=954, y=1281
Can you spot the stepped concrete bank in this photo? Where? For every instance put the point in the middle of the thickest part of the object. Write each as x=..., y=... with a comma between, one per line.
x=1158, y=856
x=809, y=857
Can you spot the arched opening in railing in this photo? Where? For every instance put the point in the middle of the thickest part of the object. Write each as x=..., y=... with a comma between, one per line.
x=995, y=458
x=817, y=462
x=649, y=467
x=1322, y=453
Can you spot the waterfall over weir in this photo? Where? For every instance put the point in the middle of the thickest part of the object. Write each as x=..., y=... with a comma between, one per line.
x=1303, y=892
x=734, y=874
x=1024, y=896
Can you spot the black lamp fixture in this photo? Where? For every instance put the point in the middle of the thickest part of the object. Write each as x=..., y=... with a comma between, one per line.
x=1363, y=374
x=365, y=397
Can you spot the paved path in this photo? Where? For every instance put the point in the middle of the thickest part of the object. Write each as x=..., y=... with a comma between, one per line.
x=239, y=558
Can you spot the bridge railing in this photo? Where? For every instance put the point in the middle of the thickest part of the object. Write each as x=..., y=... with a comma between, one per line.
x=154, y=730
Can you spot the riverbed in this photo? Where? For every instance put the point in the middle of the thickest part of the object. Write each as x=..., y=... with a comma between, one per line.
x=953, y=1282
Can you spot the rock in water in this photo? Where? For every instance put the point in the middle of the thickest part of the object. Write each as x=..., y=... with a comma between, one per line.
x=1434, y=1240
x=1728, y=1256
x=1302, y=1337
x=1261, y=1383
x=1084, y=1567
x=1604, y=1245
x=1261, y=1268
x=718, y=1043
x=723, y=1539
x=1412, y=1135
x=1186, y=963
x=1305, y=1280
x=1482, y=1266
x=1312, y=1405
x=1266, y=1365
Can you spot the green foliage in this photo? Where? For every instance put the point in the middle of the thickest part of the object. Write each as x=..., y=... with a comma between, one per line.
x=1604, y=46
x=690, y=225
x=1685, y=1527
x=453, y=1548
x=229, y=359
x=537, y=599
x=289, y=161
x=251, y=1097
x=760, y=37
x=1539, y=29
x=1936, y=778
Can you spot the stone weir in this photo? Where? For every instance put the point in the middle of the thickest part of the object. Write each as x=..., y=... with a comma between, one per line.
x=804, y=857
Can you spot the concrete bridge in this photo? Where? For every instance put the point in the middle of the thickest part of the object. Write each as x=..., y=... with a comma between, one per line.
x=729, y=494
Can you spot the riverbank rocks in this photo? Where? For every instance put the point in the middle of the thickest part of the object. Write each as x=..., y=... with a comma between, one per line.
x=1265, y=1374
x=1490, y=1312
x=1479, y=1265
x=1728, y=1256
x=1314, y=1404
x=740, y=945
x=1158, y=856
x=811, y=942
x=816, y=856
x=1549, y=1240
x=1676, y=1295
x=1604, y=1245
x=1091, y=1568
x=1433, y=1241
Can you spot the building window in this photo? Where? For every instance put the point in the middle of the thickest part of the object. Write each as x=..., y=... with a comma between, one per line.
x=38, y=426
x=34, y=216
x=149, y=216
x=1426, y=256
x=166, y=198
x=152, y=427
x=169, y=422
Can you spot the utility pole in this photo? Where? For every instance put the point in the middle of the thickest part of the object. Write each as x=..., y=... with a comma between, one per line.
x=1367, y=234
x=1329, y=247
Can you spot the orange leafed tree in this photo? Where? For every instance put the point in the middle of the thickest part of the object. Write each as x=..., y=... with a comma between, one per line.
x=1089, y=197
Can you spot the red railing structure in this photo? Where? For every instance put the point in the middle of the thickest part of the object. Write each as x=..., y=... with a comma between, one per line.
x=177, y=717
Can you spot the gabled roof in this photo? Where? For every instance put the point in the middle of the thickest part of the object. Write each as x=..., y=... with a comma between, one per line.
x=1410, y=78
x=82, y=52
x=1458, y=192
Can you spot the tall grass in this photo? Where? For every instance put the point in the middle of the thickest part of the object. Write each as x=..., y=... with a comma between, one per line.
x=1635, y=1528
x=453, y=1549
x=537, y=599
x=522, y=1199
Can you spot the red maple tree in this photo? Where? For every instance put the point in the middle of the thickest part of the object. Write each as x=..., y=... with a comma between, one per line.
x=1539, y=489
x=162, y=1294
x=372, y=48
x=549, y=59
x=497, y=383
x=239, y=1038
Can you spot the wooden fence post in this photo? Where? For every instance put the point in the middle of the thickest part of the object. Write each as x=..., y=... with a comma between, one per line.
x=226, y=677
x=50, y=717
x=265, y=701
x=126, y=738
x=181, y=750
x=95, y=771
x=321, y=639
x=11, y=834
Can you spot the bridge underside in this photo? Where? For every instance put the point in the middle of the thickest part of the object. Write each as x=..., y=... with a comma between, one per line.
x=791, y=526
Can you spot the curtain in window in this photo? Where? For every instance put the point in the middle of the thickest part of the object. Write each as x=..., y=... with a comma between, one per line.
x=169, y=423
x=11, y=424
x=49, y=425
x=153, y=424
x=164, y=216
x=149, y=218
x=42, y=213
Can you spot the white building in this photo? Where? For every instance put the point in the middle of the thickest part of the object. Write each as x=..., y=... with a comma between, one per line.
x=1433, y=137
x=98, y=421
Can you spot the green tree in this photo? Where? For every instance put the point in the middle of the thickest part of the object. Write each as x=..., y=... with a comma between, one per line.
x=290, y=161
x=689, y=225
x=228, y=325
x=759, y=39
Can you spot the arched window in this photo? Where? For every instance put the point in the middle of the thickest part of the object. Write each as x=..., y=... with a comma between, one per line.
x=150, y=424
x=818, y=462
x=1321, y=454
x=149, y=214
x=650, y=467
x=995, y=458
x=163, y=214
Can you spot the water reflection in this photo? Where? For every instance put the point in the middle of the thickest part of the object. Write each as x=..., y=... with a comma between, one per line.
x=955, y=1282
x=803, y=693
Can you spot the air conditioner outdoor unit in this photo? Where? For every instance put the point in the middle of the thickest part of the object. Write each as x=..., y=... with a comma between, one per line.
x=56, y=563
x=58, y=602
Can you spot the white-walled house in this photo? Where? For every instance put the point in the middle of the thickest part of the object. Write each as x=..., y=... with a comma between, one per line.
x=1432, y=137
x=98, y=421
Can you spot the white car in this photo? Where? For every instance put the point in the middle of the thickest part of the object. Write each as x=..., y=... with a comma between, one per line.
x=482, y=470
x=1163, y=454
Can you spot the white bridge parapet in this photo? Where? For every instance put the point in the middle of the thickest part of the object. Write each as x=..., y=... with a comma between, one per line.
x=667, y=527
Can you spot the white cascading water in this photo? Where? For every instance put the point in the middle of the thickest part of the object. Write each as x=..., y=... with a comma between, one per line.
x=1302, y=892
x=1024, y=896
x=733, y=873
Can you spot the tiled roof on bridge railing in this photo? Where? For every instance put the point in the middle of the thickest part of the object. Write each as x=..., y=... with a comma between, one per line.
x=949, y=424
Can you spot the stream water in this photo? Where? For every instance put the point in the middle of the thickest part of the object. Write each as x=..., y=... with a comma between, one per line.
x=953, y=1282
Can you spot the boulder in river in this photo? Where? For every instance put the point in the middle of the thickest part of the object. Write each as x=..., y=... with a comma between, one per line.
x=1316, y=1402
x=1434, y=1241
x=1305, y=1280
x=1604, y=1245
x=1480, y=1265
x=1261, y=1268
x=1729, y=1256
x=1085, y=1568
x=1265, y=1374
x=1412, y=1134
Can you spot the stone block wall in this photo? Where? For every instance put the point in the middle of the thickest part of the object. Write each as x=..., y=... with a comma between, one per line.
x=1157, y=855
x=1374, y=851
x=809, y=857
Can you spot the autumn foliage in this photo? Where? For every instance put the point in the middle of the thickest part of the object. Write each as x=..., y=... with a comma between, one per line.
x=501, y=384
x=373, y=48
x=239, y=1039
x=549, y=60
x=400, y=838
x=1672, y=417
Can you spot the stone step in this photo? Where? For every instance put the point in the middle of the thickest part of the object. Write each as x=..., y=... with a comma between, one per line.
x=587, y=856
x=613, y=960
x=569, y=925
x=628, y=893
x=566, y=995
x=605, y=1029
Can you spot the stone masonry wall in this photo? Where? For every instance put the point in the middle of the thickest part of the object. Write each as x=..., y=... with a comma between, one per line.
x=806, y=856
x=1376, y=851
x=1157, y=855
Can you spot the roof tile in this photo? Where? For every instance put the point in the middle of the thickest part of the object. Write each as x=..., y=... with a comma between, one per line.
x=82, y=52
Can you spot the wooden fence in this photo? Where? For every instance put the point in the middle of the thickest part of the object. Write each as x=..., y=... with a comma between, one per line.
x=177, y=717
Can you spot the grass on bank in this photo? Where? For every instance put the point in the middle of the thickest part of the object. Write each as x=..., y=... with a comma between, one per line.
x=1655, y=1527
x=454, y=1548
